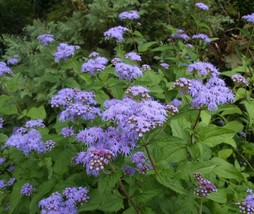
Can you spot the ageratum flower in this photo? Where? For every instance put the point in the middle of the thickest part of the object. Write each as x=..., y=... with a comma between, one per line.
x=128, y=72
x=133, y=56
x=205, y=187
x=129, y=15
x=176, y=102
x=146, y=67
x=171, y=109
x=46, y=39
x=14, y=60
x=65, y=51
x=249, y=18
x=27, y=189
x=247, y=206
x=164, y=65
x=34, y=123
x=115, y=33
x=27, y=142
x=67, y=132
x=210, y=95
x=203, y=68
x=183, y=85
x=1, y=123
x=11, y=182
x=201, y=6
x=140, y=161
x=1, y=160
x=202, y=36
x=116, y=140
x=138, y=93
x=76, y=104
x=49, y=145
x=2, y=184
x=4, y=69
x=55, y=204
x=76, y=194
x=239, y=79
x=180, y=35
x=135, y=117
x=95, y=65
x=94, y=160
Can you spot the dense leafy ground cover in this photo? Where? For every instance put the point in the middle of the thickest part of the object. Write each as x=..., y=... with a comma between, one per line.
x=129, y=107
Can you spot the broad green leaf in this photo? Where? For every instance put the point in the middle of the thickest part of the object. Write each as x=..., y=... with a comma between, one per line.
x=37, y=113
x=206, y=117
x=15, y=196
x=234, y=126
x=249, y=105
x=213, y=135
x=219, y=196
x=181, y=127
x=225, y=153
x=63, y=162
x=226, y=170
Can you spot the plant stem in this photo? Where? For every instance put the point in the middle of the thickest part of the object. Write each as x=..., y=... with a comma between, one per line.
x=122, y=187
x=150, y=157
x=194, y=125
x=201, y=206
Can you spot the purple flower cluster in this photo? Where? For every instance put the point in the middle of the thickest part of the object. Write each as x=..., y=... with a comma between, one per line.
x=203, y=68
x=133, y=56
x=176, y=102
x=249, y=18
x=127, y=72
x=113, y=139
x=146, y=67
x=76, y=194
x=27, y=140
x=140, y=161
x=67, y=132
x=55, y=204
x=239, y=79
x=1, y=123
x=171, y=109
x=205, y=187
x=14, y=60
x=115, y=33
x=164, y=65
x=180, y=35
x=64, y=203
x=3, y=184
x=64, y=51
x=4, y=69
x=45, y=39
x=129, y=15
x=135, y=117
x=128, y=170
x=94, y=160
x=27, y=189
x=76, y=104
x=34, y=123
x=202, y=36
x=247, y=206
x=182, y=84
x=201, y=6
x=138, y=93
x=1, y=160
x=49, y=145
x=95, y=64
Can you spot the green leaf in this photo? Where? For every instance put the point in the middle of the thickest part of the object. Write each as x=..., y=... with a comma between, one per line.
x=181, y=127
x=15, y=196
x=63, y=162
x=206, y=117
x=220, y=196
x=144, y=47
x=225, y=153
x=173, y=184
x=48, y=163
x=37, y=113
x=213, y=135
x=249, y=105
x=226, y=170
